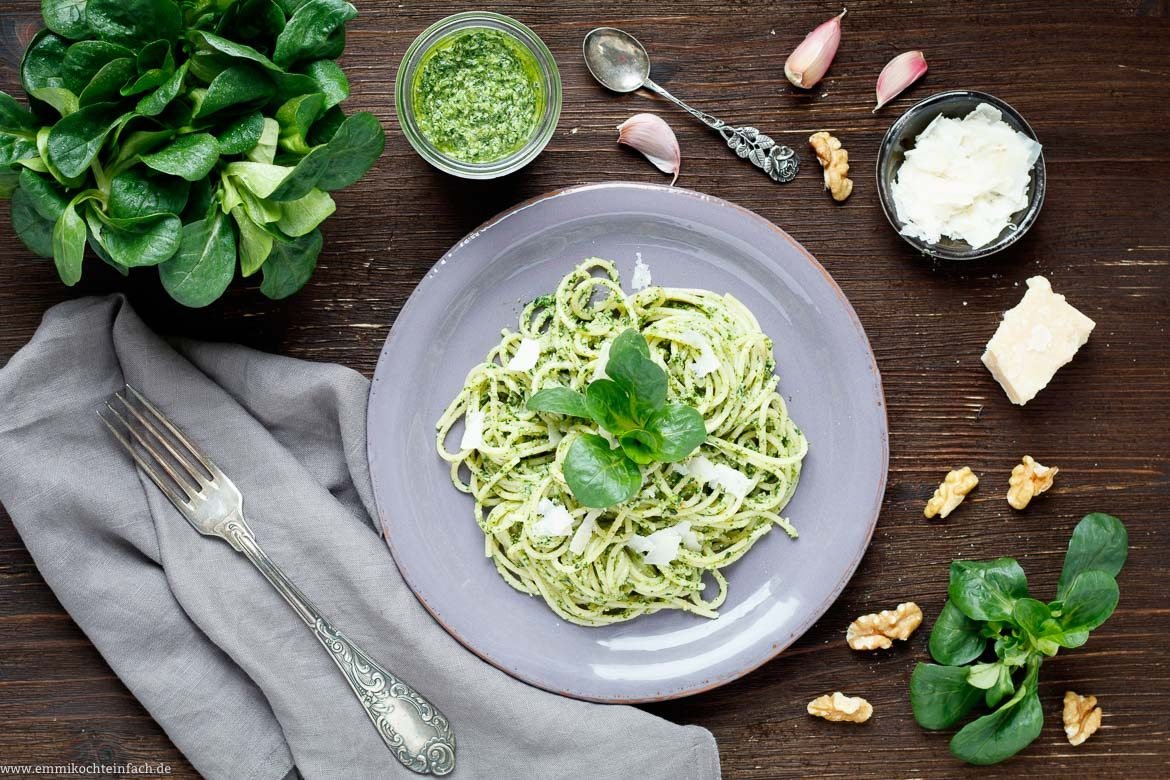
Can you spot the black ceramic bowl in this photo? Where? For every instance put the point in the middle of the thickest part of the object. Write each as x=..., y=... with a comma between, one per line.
x=900, y=137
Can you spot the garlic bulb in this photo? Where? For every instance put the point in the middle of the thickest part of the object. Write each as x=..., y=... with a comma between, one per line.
x=809, y=62
x=650, y=135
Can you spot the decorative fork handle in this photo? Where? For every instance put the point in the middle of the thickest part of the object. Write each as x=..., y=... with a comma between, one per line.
x=776, y=160
x=413, y=728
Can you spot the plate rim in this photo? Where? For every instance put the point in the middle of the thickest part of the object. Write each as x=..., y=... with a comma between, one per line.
x=415, y=300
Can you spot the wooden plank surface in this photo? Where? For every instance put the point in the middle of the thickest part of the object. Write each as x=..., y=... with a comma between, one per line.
x=1094, y=81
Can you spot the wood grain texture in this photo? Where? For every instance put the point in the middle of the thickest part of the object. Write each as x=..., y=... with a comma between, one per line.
x=1093, y=80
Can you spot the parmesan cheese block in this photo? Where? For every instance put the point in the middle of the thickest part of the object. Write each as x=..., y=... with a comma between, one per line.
x=1037, y=337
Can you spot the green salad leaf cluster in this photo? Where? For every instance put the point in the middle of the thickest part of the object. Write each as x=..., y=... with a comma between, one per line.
x=992, y=636
x=630, y=406
x=188, y=135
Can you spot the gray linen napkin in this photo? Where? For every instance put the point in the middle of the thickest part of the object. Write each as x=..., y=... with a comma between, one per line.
x=211, y=651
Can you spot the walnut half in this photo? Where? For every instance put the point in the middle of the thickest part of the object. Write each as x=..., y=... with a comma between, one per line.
x=951, y=492
x=839, y=707
x=1082, y=717
x=835, y=161
x=877, y=631
x=1028, y=479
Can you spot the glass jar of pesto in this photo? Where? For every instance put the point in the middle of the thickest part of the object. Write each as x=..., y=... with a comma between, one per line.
x=478, y=95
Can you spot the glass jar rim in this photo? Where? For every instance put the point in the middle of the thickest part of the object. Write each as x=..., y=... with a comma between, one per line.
x=416, y=53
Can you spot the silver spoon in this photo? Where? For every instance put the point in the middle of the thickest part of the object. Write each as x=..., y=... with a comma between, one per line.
x=620, y=63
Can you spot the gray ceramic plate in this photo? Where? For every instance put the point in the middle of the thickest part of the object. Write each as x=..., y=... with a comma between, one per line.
x=827, y=371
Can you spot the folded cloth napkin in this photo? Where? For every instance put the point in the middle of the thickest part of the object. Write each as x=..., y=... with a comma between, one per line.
x=209, y=648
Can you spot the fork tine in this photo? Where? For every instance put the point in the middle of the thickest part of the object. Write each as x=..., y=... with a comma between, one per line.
x=166, y=422
x=159, y=460
x=144, y=464
x=198, y=476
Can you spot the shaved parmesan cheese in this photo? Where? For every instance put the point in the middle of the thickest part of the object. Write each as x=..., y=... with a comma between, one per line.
x=641, y=278
x=472, y=431
x=964, y=178
x=602, y=361
x=706, y=363
x=658, y=549
x=732, y=480
x=554, y=520
x=690, y=539
x=584, y=532
x=526, y=356
x=661, y=547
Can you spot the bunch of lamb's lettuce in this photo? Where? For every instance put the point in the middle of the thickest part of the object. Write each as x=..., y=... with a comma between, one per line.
x=991, y=637
x=184, y=134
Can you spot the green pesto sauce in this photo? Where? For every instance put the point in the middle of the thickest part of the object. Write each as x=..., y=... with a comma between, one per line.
x=477, y=95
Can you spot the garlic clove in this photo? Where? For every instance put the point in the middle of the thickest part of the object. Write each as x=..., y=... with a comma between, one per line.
x=809, y=62
x=650, y=135
x=899, y=73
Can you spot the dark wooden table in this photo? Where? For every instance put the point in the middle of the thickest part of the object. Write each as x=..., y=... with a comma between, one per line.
x=1092, y=77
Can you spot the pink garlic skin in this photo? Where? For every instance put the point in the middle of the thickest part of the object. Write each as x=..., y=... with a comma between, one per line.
x=650, y=135
x=898, y=75
x=809, y=62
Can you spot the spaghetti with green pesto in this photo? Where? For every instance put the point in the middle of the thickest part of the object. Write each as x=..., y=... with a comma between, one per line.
x=599, y=566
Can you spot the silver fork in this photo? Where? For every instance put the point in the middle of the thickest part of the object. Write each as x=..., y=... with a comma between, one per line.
x=413, y=728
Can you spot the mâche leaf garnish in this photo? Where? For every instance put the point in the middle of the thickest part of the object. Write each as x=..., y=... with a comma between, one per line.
x=600, y=476
x=630, y=406
x=990, y=612
x=559, y=400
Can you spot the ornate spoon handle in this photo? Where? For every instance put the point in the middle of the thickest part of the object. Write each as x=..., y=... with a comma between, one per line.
x=778, y=161
x=417, y=733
